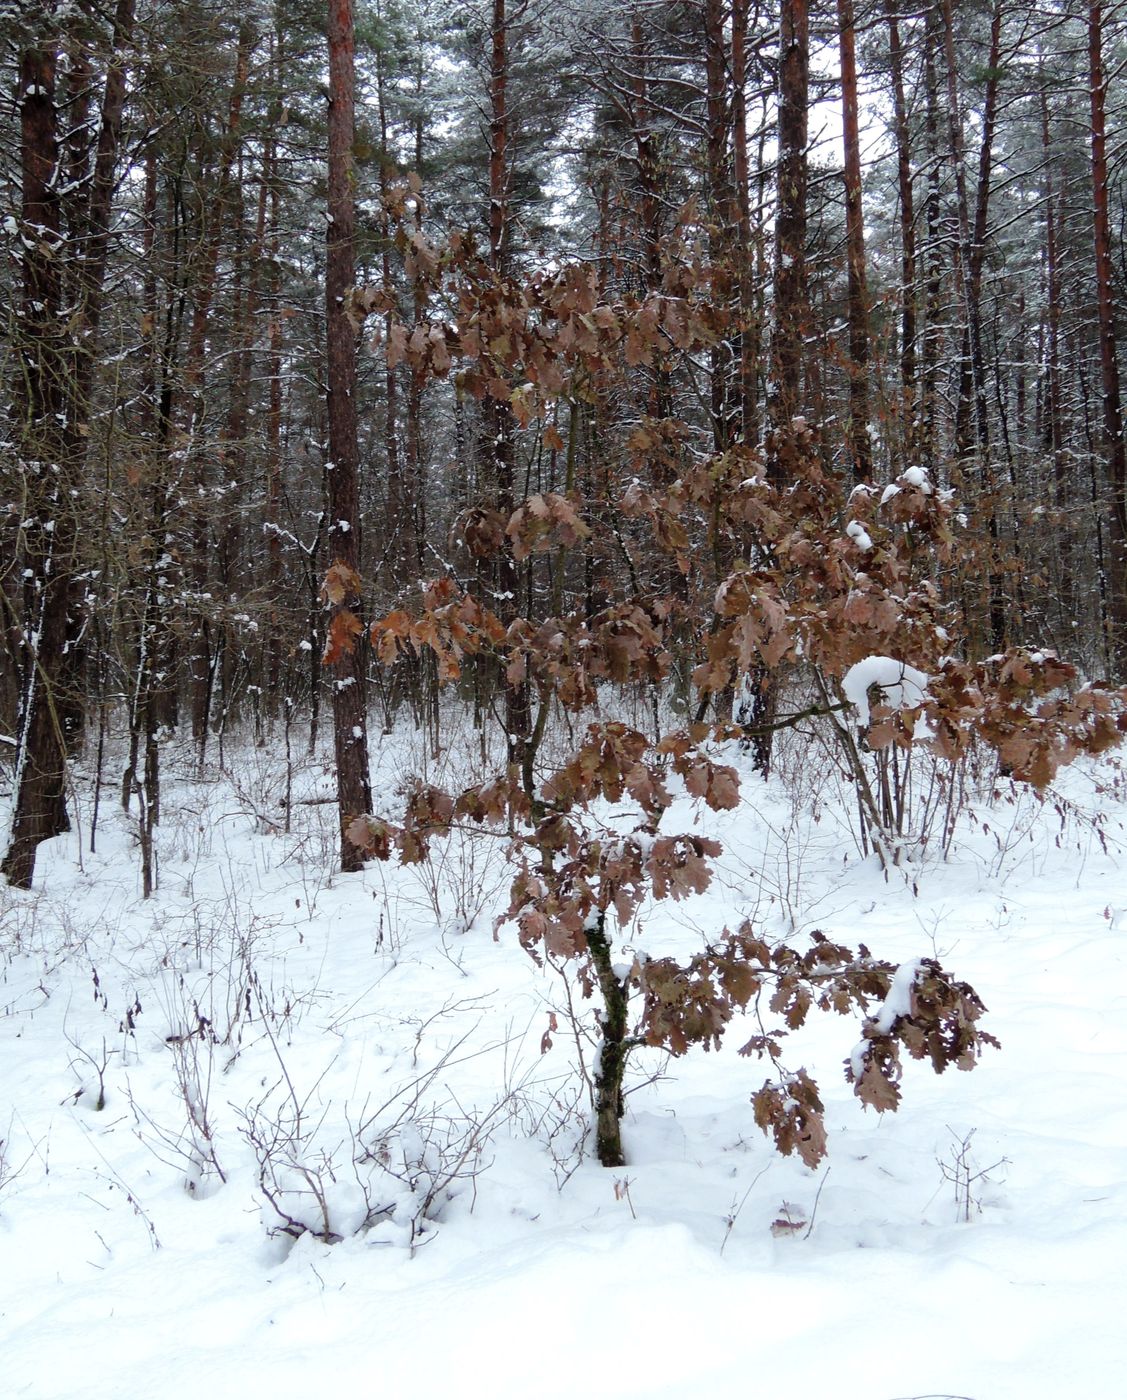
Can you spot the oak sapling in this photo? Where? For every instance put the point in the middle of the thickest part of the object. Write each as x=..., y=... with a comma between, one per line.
x=576, y=883
x=802, y=574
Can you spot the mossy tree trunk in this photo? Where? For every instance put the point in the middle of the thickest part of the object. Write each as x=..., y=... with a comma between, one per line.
x=616, y=1046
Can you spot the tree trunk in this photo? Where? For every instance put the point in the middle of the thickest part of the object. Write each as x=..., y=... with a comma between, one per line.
x=1052, y=421
x=1109, y=363
x=972, y=249
x=273, y=433
x=860, y=447
x=350, y=734
x=57, y=378
x=50, y=533
x=747, y=342
x=725, y=253
x=909, y=407
x=785, y=392
x=791, y=301
x=933, y=286
x=498, y=442
x=202, y=658
x=613, y=1050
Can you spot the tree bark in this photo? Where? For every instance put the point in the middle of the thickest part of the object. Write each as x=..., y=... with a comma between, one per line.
x=791, y=298
x=972, y=251
x=201, y=659
x=860, y=447
x=726, y=254
x=747, y=342
x=50, y=529
x=1109, y=362
x=1052, y=424
x=933, y=285
x=498, y=442
x=350, y=734
x=909, y=406
x=613, y=1050
x=59, y=354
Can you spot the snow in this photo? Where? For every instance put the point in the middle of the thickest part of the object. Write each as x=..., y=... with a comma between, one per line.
x=901, y=685
x=343, y=999
x=897, y=1003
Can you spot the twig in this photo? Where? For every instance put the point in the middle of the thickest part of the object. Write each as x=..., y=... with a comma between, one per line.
x=735, y=1214
x=817, y=1198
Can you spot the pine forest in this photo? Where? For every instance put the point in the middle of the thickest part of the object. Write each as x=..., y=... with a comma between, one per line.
x=530, y=535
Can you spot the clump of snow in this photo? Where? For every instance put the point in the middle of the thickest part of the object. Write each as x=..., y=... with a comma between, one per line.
x=912, y=476
x=897, y=1003
x=902, y=687
x=859, y=535
x=916, y=476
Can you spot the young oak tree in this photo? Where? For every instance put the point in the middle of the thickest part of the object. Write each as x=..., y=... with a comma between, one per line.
x=827, y=579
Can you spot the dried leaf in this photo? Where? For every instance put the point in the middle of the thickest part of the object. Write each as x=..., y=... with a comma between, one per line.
x=340, y=640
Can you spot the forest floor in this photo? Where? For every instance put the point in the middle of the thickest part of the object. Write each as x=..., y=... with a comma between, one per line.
x=266, y=1041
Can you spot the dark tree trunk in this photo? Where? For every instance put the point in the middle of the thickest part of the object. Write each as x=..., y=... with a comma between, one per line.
x=973, y=447
x=50, y=533
x=1052, y=413
x=933, y=286
x=860, y=448
x=350, y=733
x=748, y=341
x=725, y=253
x=273, y=436
x=58, y=368
x=785, y=396
x=613, y=1050
x=1109, y=362
x=498, y=429
x=791, y=299
x=202, y=656
x=909, y=407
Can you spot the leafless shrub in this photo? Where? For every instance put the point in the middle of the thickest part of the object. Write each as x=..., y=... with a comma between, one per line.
x=333, y=1175
x=960, y=1169
x=89, y=1067
x=218, y=985
x=10, y=1169
x=462, y=879
x=557, y=1112
x=190, y=1147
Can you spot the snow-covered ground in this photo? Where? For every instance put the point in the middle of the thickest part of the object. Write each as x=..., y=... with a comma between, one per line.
x=365, y=1041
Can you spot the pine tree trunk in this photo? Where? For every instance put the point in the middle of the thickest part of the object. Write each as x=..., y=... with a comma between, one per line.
x=350, y=733
x=498, y=444
x=971, y=408
x=909, y=407
x=1109, y=363
x=202, y=658
x=725, y=253
x=58, y=369
x=791, y=301
x=50, y=533
x=1052, y=422
x=933, y=285
x=747, y=417
x=860, y=447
